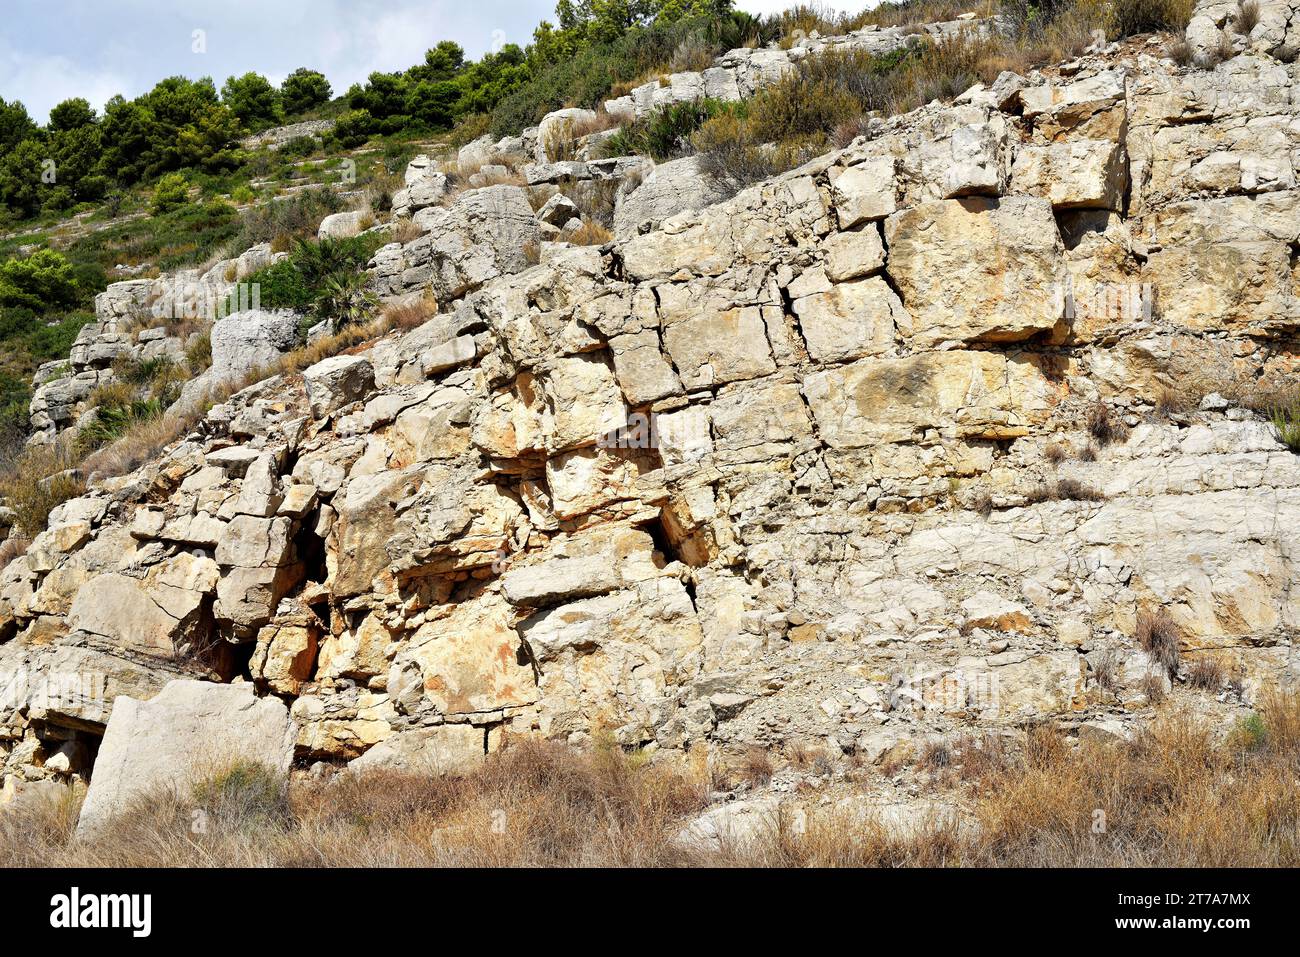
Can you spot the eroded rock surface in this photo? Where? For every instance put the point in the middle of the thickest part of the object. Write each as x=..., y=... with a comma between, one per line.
x=812, y=463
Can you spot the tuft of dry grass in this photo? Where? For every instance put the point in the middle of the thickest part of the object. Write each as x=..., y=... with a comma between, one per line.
x=588, y=234
x=1174, y=401
x=1105, y=426
x=405, y=231
x=15, y=546
x=140, y=443
x=1152, y=687
x=1159, y=635
x=1176, y=795
x=1105, y=671
x=1064, y=490
x=406, y=315
x=756, y=767
x=1206, y=674
x=1247, y=17
x=1180, y=51
x=37, y=481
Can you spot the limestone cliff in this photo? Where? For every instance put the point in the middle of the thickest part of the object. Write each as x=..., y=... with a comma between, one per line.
x=904, y=441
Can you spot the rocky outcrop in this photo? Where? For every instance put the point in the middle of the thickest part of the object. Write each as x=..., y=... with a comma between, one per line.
x=675, y=187
x=276, y=137
x=140, y=321
x=739, y=74
x=821, y=462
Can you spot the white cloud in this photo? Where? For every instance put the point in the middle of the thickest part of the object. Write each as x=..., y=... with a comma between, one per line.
x=43, y=81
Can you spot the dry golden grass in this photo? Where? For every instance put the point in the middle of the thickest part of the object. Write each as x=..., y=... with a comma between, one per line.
x=407, y=315
x=141, y=442
x=1177, y=794
x=15, y=546
x=533, y=804
x=588, y=234
x=405, y=231
x=38, y=480
x=1159, y=636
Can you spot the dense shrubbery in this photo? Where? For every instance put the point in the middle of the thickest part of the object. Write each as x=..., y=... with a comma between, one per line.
x=583, y=63
x=188, y=125
x=666, y=133
x=319, y=278
x=179, y=124
x=44, y=280
x=172, y=192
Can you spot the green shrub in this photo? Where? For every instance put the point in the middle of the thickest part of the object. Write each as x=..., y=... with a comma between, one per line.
x=803, y=104
x=171, y=192
x=352, y=129
x=345, y=299
x=45, y=281
x=1252, y=732
x=53, y=341
x=198, y=356
x=111, y=421
x=665, y=133
x=300, y=281
x=280, y=286
x=300, y=146
x=245, y=795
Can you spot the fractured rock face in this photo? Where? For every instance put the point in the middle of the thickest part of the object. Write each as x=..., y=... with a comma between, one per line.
x=978, y=394
x=157, y=615
x=336, y=381
x=811, y=463
x=975, y=270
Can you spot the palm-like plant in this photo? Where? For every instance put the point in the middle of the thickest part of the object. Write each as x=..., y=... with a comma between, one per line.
x=344, y=298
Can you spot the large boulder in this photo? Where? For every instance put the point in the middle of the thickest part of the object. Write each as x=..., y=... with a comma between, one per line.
x=670, y=189
x=344, y=225
x=557, y=132
x=244, y=342
x=191, y=731
x=336, y=381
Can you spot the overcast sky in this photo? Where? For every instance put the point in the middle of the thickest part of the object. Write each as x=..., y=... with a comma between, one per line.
x=54, y=49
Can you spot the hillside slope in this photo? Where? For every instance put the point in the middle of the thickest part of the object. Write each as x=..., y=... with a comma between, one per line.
x=956, y=428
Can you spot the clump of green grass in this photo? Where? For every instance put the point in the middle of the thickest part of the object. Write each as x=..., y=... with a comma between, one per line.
x=1286, y=421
